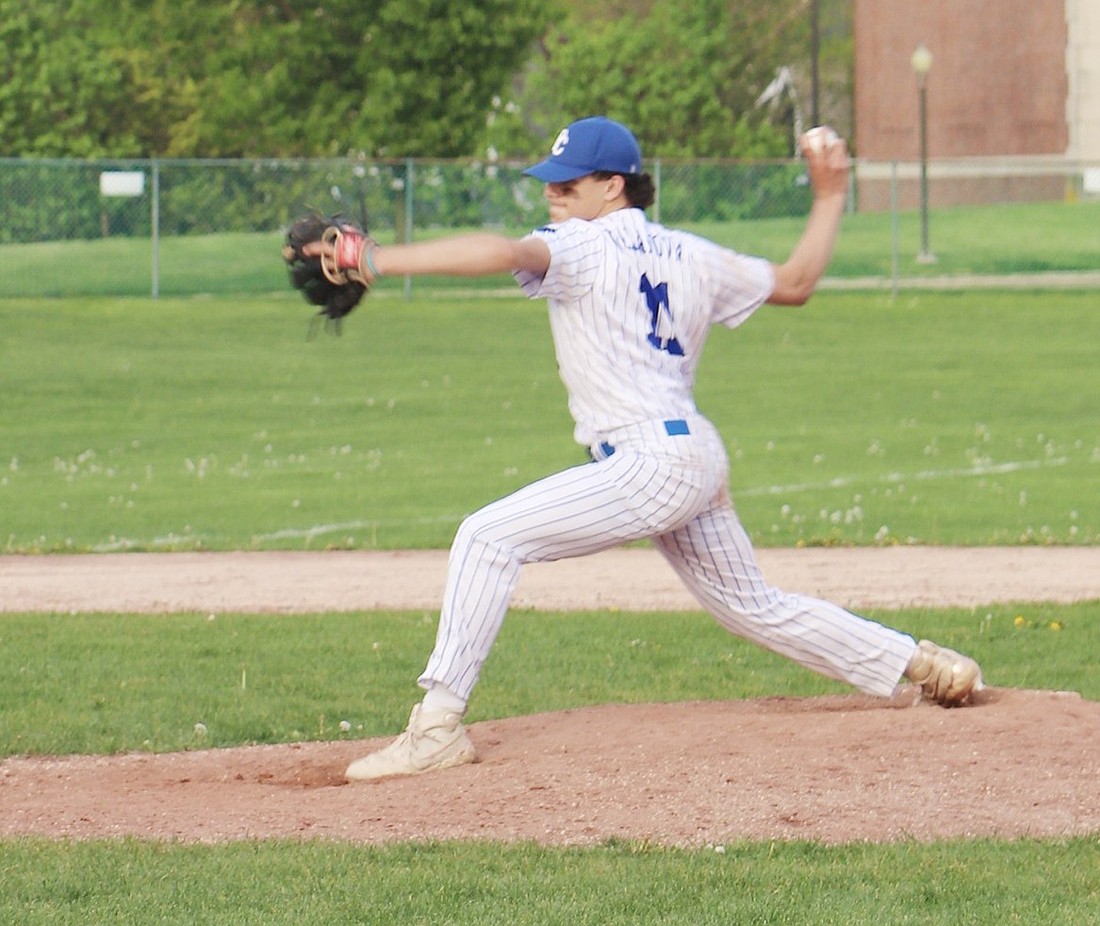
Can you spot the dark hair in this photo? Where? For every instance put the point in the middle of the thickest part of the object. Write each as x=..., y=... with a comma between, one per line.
x=638, y=189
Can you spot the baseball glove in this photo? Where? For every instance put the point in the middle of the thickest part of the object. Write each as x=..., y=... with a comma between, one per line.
x=332, y=281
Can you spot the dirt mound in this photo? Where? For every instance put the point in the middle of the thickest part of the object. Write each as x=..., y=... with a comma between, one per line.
x=832, y=769
x=835, y=769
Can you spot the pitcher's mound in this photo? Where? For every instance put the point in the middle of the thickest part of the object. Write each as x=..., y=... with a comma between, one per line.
x=830, y=769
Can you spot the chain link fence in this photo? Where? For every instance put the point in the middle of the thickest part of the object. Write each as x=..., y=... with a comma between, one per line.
x=181, y=227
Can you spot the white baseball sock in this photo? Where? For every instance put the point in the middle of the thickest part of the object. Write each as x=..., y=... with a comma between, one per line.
x=441, y=698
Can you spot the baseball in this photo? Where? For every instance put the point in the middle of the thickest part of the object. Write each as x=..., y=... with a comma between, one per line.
x=820, y=138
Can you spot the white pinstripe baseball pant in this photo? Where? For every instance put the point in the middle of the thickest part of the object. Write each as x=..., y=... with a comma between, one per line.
x=649, y=480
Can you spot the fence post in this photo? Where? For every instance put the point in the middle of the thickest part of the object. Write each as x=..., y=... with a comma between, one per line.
x=657, y=190
x=155, y=221
x=894, y=229
x=408, y=217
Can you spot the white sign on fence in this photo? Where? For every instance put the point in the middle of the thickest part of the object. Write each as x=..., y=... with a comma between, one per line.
x=122, y=183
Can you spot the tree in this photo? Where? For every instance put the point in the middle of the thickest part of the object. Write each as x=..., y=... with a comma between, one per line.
x=71, y=84
x=685, y=77
x=396, y=78
x=434, y=88
x=255, y=78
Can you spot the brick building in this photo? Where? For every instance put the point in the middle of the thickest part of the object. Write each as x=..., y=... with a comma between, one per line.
x=1016, y=80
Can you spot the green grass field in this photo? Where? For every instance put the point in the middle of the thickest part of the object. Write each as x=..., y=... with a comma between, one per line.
x=107, y=683
x=997, y=239
x=965, y=418
x=1032, y=883
x=940, y=418
x=102, y=683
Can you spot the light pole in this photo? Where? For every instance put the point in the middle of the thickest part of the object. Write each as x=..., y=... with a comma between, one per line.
x=921, y=61
x=815, y=62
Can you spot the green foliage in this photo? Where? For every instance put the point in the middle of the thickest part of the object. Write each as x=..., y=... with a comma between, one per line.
x=400, y=77
x=45, y=200
x=684, y=77
x=724, y=192
x=60, y=199
x=82, y=80
x=397, y=78
x=756, y=206
x=436, y=66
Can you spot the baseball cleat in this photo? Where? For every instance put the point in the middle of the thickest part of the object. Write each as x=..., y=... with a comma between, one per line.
x=946, y=677
x=432, y=740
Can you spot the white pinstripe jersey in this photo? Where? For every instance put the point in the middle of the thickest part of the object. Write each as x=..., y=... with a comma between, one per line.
x=631, y=303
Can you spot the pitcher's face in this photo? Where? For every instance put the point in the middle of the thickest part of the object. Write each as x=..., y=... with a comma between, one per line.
x=584, y=198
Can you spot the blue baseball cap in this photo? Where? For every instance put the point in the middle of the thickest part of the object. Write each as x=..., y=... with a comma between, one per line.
x=587, y=146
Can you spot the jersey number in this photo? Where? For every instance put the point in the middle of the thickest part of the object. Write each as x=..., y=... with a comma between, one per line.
x=660, y=317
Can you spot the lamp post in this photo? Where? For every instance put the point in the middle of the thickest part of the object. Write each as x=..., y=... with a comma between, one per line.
x=921, y=61
x=815, y=62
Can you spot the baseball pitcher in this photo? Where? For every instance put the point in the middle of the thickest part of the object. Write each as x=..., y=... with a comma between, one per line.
x=631, y=304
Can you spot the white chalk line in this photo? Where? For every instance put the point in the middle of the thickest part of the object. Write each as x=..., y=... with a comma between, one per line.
x=839, y=482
